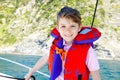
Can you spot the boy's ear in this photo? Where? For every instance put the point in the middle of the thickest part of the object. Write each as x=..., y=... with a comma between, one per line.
x=80, y=27
x=57, y=27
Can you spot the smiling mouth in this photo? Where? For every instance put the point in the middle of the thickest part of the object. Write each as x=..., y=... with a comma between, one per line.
x=68, y=35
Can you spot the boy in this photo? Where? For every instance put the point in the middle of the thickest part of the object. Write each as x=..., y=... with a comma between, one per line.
x=71, y=54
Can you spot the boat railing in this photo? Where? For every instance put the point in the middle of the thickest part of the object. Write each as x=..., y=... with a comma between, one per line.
x=29, y=68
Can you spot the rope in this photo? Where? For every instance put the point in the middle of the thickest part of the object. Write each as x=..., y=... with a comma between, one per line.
x=33, y=78
x=94, y=14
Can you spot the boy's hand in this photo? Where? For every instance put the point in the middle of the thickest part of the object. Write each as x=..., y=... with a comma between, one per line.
x=27, y=77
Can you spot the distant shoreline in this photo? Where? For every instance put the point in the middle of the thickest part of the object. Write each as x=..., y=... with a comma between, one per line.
x=118, y=59
x=18, y=53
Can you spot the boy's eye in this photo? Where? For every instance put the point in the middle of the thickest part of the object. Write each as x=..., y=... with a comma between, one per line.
x=72, y=26
x=63, y=26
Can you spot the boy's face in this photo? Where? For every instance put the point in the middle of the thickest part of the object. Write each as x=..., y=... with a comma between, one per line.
x=68, y=29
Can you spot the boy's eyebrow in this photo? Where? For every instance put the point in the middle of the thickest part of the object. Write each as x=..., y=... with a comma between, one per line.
x=70, y=25
x=62, y=24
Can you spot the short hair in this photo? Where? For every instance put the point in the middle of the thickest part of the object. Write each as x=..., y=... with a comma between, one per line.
x=70, y=13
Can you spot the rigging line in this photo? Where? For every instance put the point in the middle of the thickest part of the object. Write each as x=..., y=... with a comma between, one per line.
x=94, y=13
x=23, y=66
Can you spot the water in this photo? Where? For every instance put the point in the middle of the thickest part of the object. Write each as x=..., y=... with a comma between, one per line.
x=110, y=70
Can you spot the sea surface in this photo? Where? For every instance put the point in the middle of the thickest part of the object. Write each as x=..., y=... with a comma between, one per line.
x=110, y=69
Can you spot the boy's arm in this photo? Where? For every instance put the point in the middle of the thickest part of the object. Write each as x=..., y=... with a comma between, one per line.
x=40, y=63
x=95, y=75
x=93, y=64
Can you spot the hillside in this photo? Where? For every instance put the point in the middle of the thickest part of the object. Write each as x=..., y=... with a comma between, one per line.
x=25, y=25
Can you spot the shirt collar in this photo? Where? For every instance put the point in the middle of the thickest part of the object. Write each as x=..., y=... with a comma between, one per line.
x=66, y=44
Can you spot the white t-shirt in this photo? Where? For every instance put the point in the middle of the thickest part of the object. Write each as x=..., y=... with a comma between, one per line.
x=91, y=61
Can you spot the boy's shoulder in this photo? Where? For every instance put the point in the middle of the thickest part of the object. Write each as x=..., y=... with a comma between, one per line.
x=87, y=35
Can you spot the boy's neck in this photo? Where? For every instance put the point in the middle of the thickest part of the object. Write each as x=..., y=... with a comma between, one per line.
x=67, y=43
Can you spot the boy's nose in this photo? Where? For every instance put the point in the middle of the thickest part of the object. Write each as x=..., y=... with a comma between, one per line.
x=68, y=29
